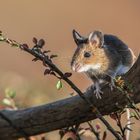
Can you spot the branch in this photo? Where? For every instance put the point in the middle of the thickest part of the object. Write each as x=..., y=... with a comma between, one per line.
x=68, y=112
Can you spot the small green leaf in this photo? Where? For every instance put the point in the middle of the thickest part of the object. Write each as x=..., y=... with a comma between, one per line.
x=10, y=93
x=6, y=101
x=2, y=38
x=134, y=115
x=59, y=85
x=16, y=45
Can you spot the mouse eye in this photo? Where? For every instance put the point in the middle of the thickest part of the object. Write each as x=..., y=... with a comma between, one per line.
x=87, y=54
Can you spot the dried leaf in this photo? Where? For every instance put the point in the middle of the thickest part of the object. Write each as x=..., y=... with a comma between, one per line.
x=24, y=46
x=52, y=73
x=47, y=71
x=41, y=43
x=35, y=40
x=35, y=59
x=113, y=116
x=72, y=94
x=52, y=56
x=104, y=135
x=46, y=51
x=68, y=74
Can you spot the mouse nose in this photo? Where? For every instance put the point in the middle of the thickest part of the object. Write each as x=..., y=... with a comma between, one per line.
x=73, y=66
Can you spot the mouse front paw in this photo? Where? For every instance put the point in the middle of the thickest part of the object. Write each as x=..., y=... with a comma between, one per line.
x=98, y=92
x=112, y=84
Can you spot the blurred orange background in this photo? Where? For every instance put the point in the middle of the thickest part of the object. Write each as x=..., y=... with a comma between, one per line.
x=54, y=20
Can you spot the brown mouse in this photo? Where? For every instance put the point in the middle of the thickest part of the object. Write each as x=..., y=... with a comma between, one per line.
x=102, y=57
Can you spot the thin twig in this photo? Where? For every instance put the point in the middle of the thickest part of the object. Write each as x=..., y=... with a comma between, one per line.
x=120, y=124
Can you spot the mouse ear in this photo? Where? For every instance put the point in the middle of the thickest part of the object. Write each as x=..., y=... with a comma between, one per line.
x=78, y=38
x=96, y=38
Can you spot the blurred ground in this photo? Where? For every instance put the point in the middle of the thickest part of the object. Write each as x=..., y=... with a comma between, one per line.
x=54, y=20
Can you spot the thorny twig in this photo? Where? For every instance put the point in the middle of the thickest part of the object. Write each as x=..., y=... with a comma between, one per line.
x=126, y=89
x=124, y=130
x=37, y=52
x=94, y=131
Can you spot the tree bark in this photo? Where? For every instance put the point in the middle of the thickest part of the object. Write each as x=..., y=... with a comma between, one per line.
x=66, y=112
